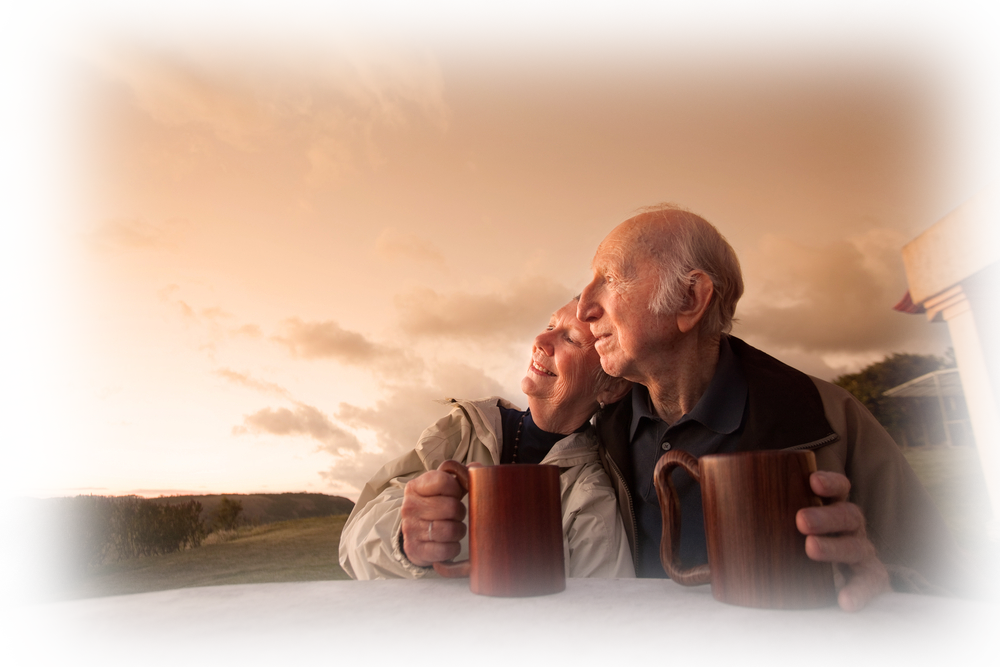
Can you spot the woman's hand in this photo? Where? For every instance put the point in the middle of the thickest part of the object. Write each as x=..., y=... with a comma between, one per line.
x=432, y=517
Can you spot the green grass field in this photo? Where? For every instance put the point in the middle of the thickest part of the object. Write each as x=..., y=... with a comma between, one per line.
x=298, y=550
x=306, y=549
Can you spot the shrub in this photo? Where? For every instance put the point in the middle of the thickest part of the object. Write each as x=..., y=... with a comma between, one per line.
x=47, y=548
x=227, y=516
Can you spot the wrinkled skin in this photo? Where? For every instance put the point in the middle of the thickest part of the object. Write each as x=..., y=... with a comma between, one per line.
x=668, y=354
x=561, y=385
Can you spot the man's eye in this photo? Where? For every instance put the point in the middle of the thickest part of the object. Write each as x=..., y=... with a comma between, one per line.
x=549, y=328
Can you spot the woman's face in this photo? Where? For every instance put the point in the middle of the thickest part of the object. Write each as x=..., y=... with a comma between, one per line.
x=564, y=364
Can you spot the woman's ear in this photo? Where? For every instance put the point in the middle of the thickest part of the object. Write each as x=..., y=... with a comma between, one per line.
x=699, y=295
x=616, y=391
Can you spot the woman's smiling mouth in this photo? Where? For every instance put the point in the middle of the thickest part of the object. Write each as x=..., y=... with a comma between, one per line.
x=541, y=371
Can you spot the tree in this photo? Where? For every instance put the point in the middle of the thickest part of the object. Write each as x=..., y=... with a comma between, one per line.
x=907, y=421
x=227, y=517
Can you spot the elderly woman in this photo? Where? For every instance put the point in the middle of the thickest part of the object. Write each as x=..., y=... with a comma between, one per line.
x=410, y=515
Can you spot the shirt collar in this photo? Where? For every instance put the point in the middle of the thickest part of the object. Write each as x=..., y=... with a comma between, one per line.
x=721, y=406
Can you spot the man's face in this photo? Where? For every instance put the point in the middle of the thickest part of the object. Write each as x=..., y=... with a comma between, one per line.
x=616, y=306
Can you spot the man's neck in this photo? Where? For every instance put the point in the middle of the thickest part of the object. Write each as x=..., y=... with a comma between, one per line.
x=679, y=379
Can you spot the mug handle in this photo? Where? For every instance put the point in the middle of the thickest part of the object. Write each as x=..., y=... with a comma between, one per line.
x=670, y=510
x=450, y=568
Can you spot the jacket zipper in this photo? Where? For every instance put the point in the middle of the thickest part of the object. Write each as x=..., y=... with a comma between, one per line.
x=815, y=444
x=631, y=511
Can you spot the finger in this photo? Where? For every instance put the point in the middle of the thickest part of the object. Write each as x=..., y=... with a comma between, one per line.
x=828, y=484
x=435, y=483
x=434, y=508
x=435, y=552
x=839, y=517
x=849, y=550
x=865, y=583
x=444, y=531
x=425, y=542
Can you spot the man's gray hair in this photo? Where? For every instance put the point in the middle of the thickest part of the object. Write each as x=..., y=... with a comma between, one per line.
x=688, y=242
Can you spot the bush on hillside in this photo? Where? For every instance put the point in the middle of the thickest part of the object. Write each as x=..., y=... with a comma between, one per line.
x=227, y=516
x=47, y=548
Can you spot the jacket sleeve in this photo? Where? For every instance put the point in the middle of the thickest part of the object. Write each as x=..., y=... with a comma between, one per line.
x=596, y=545
x=371, y=541
x=903, y=523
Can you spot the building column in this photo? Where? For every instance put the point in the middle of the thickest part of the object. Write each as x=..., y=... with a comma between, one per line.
x=972, y=312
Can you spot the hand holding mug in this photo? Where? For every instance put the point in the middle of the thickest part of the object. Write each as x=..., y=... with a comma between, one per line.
x=835, y=533
x=432, y=518
x=515, y=530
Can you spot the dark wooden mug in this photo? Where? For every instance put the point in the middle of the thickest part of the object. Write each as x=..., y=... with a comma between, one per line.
x=756, y=554
x=515, y=530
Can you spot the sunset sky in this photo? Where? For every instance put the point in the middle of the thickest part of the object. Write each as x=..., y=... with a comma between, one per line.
x=249, y=253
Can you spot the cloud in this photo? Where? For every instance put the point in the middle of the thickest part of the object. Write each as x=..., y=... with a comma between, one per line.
x=135, y=234
x=398, y=419
x=245, y=380
x=328, y=340
x=515, y=312
x=304, y=420
x=834, y=300
x=329, y=106
x=392, y=245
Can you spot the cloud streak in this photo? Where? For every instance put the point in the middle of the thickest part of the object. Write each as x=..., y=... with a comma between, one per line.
x=136, y=234
x=303, y=420
x=516, y=311
x=329, y=108
x=833, y=300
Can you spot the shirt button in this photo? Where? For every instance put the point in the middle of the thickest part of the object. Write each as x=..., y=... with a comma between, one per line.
x=665, y=446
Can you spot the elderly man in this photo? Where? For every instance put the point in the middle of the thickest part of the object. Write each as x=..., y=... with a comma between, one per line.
x=660, y=305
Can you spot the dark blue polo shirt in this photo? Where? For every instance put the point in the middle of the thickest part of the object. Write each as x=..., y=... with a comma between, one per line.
x=713, y=426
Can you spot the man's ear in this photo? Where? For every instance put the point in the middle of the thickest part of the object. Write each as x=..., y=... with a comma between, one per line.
x=615, y=392
x=699, y=295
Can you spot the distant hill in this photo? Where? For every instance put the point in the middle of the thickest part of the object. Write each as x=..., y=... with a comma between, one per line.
x=258, y=508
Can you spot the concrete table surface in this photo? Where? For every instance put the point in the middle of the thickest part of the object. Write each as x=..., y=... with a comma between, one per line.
x=440, y=622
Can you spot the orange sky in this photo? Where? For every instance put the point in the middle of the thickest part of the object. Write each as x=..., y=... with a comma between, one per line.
x=261, y=249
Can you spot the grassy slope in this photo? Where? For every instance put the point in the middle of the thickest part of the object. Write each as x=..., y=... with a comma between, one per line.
x=954, y=478
x=298, y=550
x=306, y=549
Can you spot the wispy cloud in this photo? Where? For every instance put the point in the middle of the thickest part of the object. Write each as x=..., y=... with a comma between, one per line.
x=303, y=420
x=515, y=311
x=136, y=234
x=833, y=300
x=246, y=380
x=328, y=340
x=392, y=245
x=329, y=107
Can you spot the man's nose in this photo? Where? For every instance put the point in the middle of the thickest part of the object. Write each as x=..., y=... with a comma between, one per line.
x=588, y=310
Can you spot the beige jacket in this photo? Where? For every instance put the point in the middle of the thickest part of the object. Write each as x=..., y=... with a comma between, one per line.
x=593, y=535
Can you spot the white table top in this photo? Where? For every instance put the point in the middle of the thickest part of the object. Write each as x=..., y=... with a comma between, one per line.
x=593, y=622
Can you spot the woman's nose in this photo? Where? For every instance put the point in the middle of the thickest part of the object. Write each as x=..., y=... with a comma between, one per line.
x=543, y=342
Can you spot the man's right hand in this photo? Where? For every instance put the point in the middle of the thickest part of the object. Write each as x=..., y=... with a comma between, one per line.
x=432, y=516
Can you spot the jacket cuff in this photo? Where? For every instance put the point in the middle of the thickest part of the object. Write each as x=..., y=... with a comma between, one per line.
x=400, y=556
x=904, y=580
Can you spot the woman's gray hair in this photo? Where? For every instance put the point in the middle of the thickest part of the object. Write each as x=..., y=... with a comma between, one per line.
x=684, y=242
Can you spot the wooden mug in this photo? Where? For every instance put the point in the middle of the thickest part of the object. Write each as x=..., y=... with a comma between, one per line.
x=756, y=554
x=515, y=530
